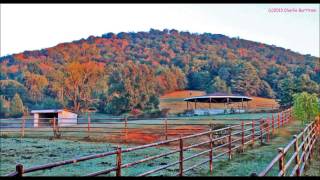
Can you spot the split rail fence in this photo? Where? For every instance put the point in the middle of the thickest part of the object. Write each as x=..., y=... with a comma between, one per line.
x=215, y=143
x=294, y=157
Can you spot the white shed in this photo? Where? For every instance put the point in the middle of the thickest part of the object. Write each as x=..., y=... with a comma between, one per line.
x=63, y=117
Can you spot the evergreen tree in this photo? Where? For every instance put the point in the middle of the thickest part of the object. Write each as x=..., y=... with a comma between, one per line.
x=4, y=107
x=16, y=106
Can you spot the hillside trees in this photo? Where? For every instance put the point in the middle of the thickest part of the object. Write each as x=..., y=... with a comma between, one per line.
x=198, y=80
x=9, y=88
x=304, y=83
x=131, y=86
x=217, y=85
x=179, y=60
x=80, y=82
x=170, y=79
x=35, y=85
x=245, y=79
x=265, y=90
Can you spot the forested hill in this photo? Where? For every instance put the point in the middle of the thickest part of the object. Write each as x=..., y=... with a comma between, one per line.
x=120, y=72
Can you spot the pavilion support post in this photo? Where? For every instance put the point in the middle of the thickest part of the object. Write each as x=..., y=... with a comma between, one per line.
x=210, y=103
x=242, y=103
x=227, y=103
x=247, y=105
x=187, y=105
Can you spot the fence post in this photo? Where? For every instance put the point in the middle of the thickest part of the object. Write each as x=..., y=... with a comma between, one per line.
x=210, y=152
x=19, y=169
x=89, y=121
x=310, y=147
x=252, y=132
x=261, y=132
x=303, y=149
x=54, y=126
x=118, y=172
x=181, y=156
x=268, y=131
x=229, y=141
x=285, y=117
x=166, y=128
x=297, y=159
x=242, y=136
x=281, y=118
x=126, y=128
x=22, y=126
x=278, y=120
x=272, y=124
x=281, y=161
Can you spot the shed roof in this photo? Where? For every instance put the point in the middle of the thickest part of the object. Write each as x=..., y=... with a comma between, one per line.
x=49, y=111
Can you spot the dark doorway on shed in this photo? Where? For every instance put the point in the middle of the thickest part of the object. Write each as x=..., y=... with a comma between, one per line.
x=44, y=119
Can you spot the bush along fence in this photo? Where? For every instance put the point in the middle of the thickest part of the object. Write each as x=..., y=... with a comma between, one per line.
x=215, y=143
x=295, y=156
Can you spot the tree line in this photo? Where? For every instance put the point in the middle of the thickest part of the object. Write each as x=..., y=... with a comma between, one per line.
x=117, y=73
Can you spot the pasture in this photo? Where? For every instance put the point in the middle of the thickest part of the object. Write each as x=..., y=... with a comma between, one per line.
x=31, y=152
x=39, y=147
x=116, y=130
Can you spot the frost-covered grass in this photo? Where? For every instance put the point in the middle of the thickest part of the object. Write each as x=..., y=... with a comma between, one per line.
x=31, y=152
x=257, y=159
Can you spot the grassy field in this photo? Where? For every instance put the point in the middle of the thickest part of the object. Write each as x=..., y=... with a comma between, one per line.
x=175, y=102
x=31, y=152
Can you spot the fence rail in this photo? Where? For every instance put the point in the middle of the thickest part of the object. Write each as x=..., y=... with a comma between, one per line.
x=302, y=146
x=234, y=138
x=116, y=128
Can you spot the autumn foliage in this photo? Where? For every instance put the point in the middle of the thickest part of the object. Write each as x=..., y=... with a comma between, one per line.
x=117, y=73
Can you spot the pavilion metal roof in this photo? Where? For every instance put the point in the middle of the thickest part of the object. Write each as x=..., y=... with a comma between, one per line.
x=218, y=98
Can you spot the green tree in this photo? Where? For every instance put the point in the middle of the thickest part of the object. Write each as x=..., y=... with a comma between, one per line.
x=131, y=86
x=304, y=83
x=217, y=85
x=286, y=90
x=305, y=106
x=16, y=106
x=198, y=80
x=245, y=79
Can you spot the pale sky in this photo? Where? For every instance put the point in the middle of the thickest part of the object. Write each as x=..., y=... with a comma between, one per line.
x=38, y=26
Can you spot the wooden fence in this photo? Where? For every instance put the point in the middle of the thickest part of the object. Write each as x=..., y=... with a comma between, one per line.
x=302, y=147
x=234, y=138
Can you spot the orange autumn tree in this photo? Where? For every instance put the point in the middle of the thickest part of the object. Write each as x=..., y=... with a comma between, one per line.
x=80, y=82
